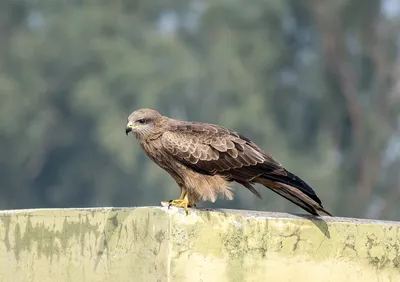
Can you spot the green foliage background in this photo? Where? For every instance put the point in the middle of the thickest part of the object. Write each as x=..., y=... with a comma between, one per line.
x=313, y=82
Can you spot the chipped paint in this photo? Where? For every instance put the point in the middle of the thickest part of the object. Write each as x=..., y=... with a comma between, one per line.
x=160, y=244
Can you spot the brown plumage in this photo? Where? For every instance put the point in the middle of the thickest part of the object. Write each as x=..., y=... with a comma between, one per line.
x=204, y=159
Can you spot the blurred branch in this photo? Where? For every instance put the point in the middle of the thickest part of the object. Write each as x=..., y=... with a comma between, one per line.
x=339, y=63
x=380, y=60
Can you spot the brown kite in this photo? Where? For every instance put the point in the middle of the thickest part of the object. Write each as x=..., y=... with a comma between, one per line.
x=205, y=158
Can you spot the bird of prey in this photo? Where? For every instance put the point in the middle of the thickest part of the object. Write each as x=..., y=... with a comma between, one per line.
x=204, y=159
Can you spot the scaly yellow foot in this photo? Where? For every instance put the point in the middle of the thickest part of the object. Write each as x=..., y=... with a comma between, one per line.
x=182, y=202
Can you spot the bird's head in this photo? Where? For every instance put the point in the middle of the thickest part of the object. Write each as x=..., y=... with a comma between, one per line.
x=142, y=123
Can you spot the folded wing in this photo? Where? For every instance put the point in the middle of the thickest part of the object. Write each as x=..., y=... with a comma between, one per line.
x=211, y=149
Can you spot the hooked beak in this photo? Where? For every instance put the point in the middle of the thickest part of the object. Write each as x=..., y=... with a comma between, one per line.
x=129, y=127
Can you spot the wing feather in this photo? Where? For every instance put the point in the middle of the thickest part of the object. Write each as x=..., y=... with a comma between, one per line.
x=212, y=149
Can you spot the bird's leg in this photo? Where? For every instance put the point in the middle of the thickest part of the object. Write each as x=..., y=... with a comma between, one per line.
x=183, y=194
x=182, y=202
x=167, y=204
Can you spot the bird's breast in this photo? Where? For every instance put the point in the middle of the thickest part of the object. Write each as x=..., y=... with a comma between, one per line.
x=157, y=154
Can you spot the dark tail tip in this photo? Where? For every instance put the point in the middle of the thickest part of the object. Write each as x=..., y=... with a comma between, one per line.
x=325, y=211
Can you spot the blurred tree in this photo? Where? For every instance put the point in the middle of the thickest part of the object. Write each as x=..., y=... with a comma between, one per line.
x=360, y=61
x=313, y=82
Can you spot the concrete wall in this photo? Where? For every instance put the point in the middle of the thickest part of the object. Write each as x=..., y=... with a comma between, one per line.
x=157, y=244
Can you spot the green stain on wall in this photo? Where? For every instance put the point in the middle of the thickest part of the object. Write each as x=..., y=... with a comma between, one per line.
x=44, y=236
x=158, y=244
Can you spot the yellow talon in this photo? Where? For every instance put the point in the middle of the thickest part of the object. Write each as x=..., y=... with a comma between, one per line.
x=182, y=202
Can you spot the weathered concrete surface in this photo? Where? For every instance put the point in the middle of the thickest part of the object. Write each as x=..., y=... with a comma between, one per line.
x=157, y=244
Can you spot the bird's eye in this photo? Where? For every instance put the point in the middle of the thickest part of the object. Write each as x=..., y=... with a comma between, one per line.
x=141, y=121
